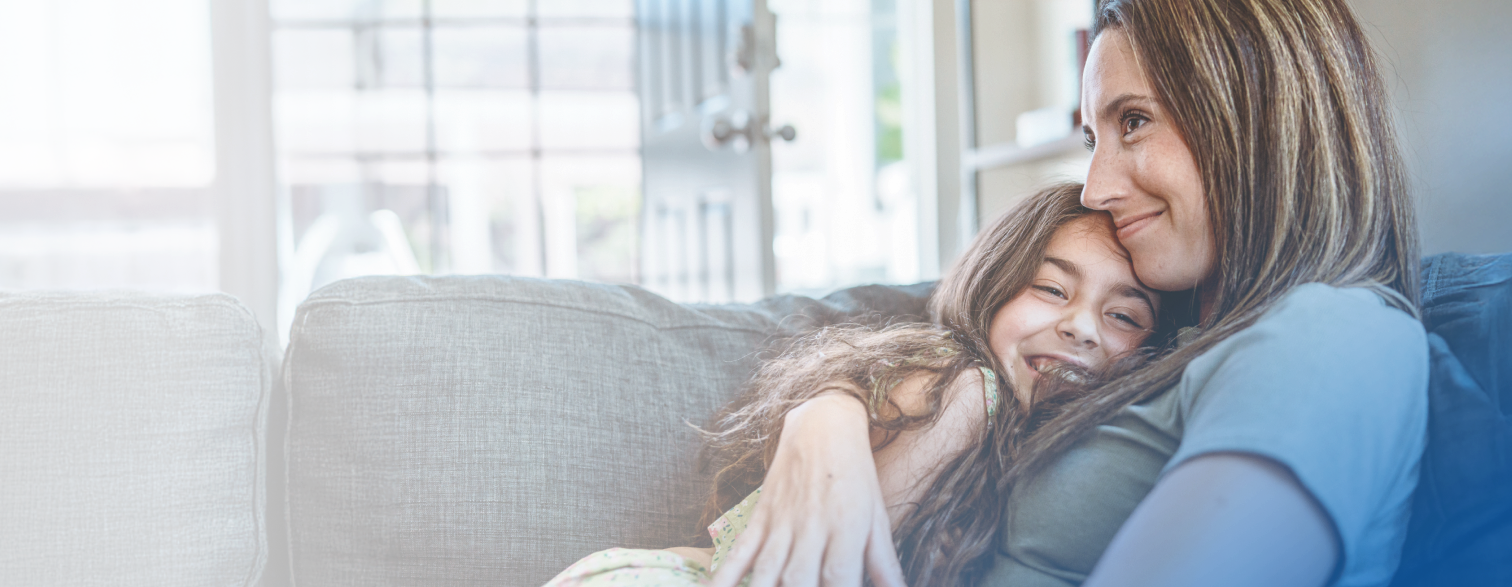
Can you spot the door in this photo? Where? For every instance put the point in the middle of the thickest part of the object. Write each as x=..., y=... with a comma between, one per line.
x=706, y=216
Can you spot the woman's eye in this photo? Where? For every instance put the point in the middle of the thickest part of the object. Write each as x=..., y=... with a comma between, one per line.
x=1132, y=122
x=1052, y=290
x=1089, y=142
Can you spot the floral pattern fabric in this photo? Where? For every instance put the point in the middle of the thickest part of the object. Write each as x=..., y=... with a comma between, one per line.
x=629, y=567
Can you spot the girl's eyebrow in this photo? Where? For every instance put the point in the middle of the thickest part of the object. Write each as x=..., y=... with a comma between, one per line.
x=1065, y=265
x=1130, y=291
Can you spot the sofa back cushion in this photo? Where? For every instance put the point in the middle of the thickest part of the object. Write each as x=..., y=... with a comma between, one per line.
x=1460, y=532
x=131, y=438
x=492, y=430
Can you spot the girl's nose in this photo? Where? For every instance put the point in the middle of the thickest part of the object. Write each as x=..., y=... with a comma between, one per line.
x=1079, y=328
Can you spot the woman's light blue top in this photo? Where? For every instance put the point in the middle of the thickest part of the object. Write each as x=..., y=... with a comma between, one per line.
x=1331, y=383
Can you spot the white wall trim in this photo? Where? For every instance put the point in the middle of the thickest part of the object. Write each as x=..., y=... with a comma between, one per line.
x=244, y=189
x=932, y=128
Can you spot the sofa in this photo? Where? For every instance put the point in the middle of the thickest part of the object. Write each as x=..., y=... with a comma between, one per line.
x=491, y=430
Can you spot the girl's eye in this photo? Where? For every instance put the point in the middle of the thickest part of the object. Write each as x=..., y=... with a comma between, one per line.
x=1126, y=320
x=1132, y=122
x=1052, y=290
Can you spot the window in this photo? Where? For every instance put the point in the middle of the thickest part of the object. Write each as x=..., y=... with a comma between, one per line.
x=456, y=136
x=107, y=139
x=846, y=212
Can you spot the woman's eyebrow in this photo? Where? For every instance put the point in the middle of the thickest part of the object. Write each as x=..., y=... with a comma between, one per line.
x=1110, y=110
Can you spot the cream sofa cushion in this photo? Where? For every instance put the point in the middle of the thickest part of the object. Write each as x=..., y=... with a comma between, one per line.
x=131, y=435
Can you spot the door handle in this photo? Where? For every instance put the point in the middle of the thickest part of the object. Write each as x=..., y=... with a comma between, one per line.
x=738, y=132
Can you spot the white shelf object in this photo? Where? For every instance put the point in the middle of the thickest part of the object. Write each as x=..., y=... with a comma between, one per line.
x=1004, y=154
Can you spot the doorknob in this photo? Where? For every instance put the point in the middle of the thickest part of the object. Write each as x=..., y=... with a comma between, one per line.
x=786, y=133
x=737, y=131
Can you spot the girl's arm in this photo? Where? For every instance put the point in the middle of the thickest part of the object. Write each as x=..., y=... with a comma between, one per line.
x=1232, y=519
x=828, y=501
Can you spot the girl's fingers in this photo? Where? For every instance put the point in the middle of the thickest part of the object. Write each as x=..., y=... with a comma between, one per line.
x=843, y=558
x=742, y=555
x=802, y=567
x=770, y=562
x=881, y=557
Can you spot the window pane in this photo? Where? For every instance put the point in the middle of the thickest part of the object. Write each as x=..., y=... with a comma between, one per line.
x=344, y=9
x=87, y=103
x=176, y=256
x=107, y=138
x=494, y=224
x=336, y=122
x=589, y=120
x=390, y=121
x=313, y=59
x=587, y=57
x=481, y=57
x=586, y=8
x=471, y=121
x=479, y=8
x=308, y=122
x=603, y=194
x=391, y=57
x=843, y=208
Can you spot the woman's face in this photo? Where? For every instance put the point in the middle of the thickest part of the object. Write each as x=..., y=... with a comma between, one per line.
x=1083, y=307
x=1142, y=171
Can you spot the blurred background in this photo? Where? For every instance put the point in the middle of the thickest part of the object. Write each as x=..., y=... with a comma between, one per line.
x=710, y=150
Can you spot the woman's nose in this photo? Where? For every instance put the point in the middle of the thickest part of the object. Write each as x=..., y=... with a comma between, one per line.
x=1104, y=181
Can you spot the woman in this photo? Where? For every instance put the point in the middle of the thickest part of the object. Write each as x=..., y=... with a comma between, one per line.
x=1061, y=303
x=1244, y=149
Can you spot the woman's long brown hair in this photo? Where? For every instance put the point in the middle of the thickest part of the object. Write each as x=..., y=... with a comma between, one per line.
x=1282, y=106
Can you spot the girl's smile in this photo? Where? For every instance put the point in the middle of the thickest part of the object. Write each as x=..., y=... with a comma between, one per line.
x=1083, y=308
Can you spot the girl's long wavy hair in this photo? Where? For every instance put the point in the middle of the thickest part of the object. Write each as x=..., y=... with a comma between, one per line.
x=949, y=538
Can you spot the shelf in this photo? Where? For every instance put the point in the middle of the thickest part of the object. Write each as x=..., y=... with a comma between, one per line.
x=1004, y=154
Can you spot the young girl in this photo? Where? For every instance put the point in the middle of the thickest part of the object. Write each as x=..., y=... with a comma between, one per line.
x=1045, y=297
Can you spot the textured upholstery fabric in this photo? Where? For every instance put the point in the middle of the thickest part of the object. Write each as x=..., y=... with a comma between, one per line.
x=131, y=431
x=492, y=430
x=1461, y=528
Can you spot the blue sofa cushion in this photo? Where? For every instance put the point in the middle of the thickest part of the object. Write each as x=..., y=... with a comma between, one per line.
x=1461, y=528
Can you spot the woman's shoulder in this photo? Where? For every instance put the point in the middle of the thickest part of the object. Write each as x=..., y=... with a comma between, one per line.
x=1318, y=337
x=1352, y=322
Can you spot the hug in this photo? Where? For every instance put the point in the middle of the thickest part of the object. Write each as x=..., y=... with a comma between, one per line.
x=1205, y=366
x=1211, y=352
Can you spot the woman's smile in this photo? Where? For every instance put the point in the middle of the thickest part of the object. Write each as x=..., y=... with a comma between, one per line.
x=1128, y=226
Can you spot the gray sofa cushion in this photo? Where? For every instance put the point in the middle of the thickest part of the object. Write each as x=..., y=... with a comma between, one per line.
x=492, y=430
x=130, y=440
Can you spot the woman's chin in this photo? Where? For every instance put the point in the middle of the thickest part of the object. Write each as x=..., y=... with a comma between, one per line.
x=1166, y=272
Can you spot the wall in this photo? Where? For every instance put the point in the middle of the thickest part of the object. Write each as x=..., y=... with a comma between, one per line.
x=1449, y=66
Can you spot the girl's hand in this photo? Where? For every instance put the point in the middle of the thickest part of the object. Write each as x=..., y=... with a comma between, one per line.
x=821, y=518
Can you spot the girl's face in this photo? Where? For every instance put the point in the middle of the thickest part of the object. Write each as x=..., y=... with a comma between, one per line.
x=1084, y=306
x=1142, y=171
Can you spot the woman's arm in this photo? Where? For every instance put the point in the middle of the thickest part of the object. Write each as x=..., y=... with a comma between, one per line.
x=1232, y=519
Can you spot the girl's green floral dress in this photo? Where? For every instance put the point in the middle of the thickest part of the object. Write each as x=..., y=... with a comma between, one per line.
x=629, y=567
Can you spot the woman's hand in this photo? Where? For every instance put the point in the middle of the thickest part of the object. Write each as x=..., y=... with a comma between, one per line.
x=821, y=518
